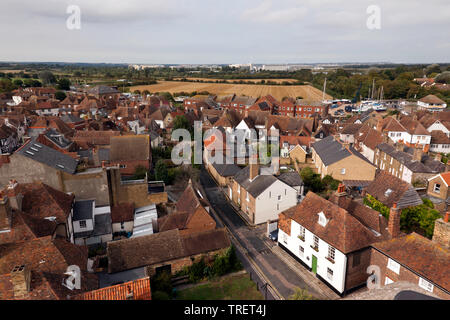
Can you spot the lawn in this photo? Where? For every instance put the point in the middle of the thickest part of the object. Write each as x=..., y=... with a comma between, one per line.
x=236, y=287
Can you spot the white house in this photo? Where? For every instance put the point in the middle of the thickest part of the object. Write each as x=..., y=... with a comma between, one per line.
x=91, y=224
x=332, y=238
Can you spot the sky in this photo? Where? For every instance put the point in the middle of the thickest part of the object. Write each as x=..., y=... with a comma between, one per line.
x=226, y=31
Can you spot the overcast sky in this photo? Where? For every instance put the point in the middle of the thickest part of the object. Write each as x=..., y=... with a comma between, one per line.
x=225, y=31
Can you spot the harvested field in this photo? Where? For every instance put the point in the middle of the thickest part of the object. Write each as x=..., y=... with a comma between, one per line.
x=237, y=80
x=306, y=92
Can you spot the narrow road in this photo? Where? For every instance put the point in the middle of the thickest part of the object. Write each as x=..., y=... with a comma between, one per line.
x=253, y=249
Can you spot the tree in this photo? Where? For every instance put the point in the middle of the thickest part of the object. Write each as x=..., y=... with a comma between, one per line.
x=47, y=77
x=18, y=82
x=60, y=95
x=139, y=172
x=64, y=84
x=444, y=77
x=161, y=172
x=180, y=122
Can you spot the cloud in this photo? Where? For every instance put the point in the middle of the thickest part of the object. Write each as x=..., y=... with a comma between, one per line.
x=98, y=11
x=266, y=13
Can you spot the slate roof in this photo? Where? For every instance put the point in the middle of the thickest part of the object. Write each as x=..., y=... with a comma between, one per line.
x=331, y=151
x=292, y=179
x=226, y=170
x=70, y=118
x=97, y=90
x=257, y=185
x=389, y=189
x=408, y=161
x=425, y=257
x=83, y=210
x=48, y=156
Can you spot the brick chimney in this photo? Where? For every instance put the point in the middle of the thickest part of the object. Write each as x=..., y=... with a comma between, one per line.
x=341, y=195
x=254, y=167
x=21, y=280
x=5, y=214
x=441, y=232
x=394, y=221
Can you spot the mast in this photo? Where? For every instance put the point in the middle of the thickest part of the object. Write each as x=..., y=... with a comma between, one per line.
x=324, y=88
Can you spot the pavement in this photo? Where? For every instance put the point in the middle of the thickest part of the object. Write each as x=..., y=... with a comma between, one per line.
x=261, y=257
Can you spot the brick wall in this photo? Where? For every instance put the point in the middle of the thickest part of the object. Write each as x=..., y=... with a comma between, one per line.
x=379, y=259
x=356, y=272
x=441, y=233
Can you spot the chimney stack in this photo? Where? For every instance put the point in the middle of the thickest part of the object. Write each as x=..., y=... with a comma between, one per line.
x=21, y=280
x=394, y=221
x=441, y=232
x=340, y=195
x=254, y=167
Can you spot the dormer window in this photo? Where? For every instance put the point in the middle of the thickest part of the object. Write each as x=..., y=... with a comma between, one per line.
x=322, y=219
x=388, y=192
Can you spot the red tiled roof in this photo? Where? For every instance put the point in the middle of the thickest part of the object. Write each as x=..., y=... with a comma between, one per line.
x=133, y=290
x=343, y=231
x=426, y=257
x=122, y=212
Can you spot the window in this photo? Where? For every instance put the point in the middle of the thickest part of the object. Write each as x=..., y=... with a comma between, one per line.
x=83, y=224
x=394, y=266
x=329, y=274
x=437, y=188
x=279, y=198
x=270, y=194
x=331, y=253
x=424, y=284
x=343, y=171
x=302, y=233
x=301, y=251
x=316, y=242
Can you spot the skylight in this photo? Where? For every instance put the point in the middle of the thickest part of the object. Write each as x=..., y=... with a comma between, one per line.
x=30, y=153
x=388, y=193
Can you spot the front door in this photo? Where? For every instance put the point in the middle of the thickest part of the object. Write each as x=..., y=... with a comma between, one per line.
x=314, y=264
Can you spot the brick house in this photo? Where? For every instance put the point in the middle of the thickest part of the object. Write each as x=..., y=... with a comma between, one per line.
x=223, y=173
x=332, y=237
x=306, y=109
x=189, y=216
x=416, y=259
x=409, y=164
x=438, y=191
x=366, y=140
x=389, y=189
x=341, y=161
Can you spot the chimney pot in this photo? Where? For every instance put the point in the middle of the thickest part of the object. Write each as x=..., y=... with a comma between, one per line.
x=447, y=215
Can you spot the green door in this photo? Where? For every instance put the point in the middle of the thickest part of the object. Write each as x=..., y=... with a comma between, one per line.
x=314, y=264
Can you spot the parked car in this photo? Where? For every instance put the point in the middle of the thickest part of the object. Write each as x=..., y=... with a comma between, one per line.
x=274, y=235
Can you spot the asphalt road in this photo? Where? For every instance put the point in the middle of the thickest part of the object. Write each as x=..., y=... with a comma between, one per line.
x=253, y=248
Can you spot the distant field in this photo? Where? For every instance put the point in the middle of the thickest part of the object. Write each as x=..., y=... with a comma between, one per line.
x=307, y=92
x=237, y=80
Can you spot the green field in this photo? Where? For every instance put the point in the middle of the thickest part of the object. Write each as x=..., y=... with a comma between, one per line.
x=236, y=287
